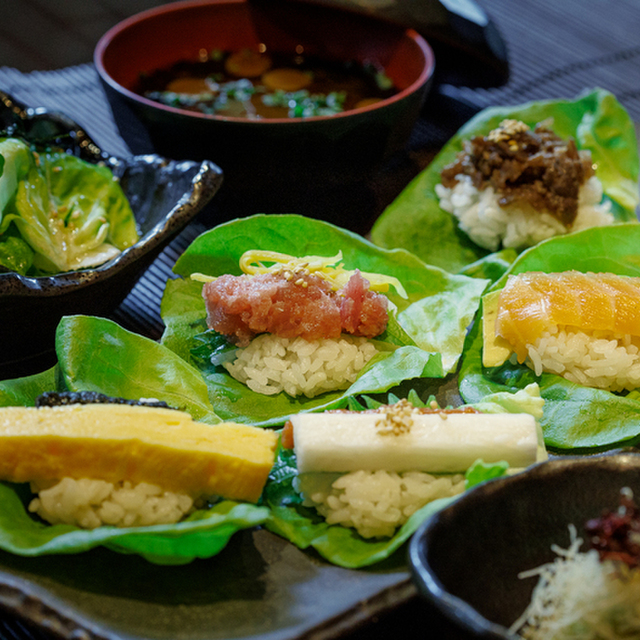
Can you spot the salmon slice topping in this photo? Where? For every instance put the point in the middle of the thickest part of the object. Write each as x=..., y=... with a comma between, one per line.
x=533, y=302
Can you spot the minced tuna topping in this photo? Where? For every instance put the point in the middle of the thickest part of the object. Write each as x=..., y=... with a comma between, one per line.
x=305, y=306
x=523, y=165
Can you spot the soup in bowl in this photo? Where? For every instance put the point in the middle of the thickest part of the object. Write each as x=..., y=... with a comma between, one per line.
x=176, y=71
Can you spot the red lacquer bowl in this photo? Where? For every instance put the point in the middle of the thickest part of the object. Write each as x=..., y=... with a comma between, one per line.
x=342, y=147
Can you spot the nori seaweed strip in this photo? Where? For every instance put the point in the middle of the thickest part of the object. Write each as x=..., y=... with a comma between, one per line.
x=58, y=399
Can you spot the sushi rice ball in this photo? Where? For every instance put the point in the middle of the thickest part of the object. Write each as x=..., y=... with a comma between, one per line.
x=516, y=187
x=94, y=462
x=301, y=325
x=582, y=326
x=372, y=470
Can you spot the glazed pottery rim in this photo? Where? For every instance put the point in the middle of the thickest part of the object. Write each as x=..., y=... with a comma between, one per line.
x=105, y=41
x=428, y=583
x=14, y=284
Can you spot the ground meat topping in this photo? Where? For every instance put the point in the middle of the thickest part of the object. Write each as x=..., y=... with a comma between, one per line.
x=535, y=167
x=290, y=306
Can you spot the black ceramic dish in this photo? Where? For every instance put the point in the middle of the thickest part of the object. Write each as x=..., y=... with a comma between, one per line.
x=165, y=196
x=466, y=558
x=467, y=45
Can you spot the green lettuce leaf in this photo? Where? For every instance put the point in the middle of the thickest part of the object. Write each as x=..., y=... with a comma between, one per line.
x=596, y=120
x=576, y=419
x=184, y=315
x=22, y=392
x=492, y=266
x=433, y=320
x=202, y=534
x=73, y=214
x=97, y=355
x=480, y=472
x=124, y=364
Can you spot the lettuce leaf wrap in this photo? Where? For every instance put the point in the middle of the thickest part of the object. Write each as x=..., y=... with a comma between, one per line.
x=59, y=213
x=576, y=419
x=97, y=355
x=344, y=546
x=425, y=340
x=596, y=121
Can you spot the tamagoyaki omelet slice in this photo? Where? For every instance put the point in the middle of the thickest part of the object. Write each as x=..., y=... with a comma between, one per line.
x=116, y=442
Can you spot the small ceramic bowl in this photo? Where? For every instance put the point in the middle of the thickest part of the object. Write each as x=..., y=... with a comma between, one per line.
x=466, y=559
x=256, y=154
x=164, y=195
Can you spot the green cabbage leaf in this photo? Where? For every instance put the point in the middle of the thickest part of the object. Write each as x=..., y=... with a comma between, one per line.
x=71, y=214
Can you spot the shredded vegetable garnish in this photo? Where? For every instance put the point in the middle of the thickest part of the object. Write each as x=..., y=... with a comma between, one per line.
x=202, y=277
x=585, y=595
x=255, y=262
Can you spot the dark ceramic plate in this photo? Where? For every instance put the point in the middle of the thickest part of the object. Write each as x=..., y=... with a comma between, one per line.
x=165, y=196
x=466, y=559
x=259, y=588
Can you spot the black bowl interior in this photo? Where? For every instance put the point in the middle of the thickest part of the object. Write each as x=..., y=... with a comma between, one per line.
x=466, y=559
x=165, y=196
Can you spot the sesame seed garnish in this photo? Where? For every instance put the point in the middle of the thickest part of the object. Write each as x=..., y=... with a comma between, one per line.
x=396, y=418
x=507, y=130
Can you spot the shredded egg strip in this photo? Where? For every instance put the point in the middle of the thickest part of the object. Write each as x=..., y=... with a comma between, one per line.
x=255, y=262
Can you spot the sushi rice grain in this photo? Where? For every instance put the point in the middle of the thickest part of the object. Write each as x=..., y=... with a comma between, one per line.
x=90, y=503
x=297, y=366
x=516, y=226
x=599, y=359
x=374, y=503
